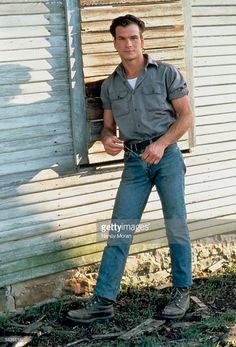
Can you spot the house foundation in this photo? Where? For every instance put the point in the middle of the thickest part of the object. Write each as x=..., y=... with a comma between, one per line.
x=208, y=255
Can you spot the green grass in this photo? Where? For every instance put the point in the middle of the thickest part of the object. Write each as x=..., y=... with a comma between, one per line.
x=137, y=302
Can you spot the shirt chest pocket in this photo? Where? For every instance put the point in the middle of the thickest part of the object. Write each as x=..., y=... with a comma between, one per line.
x=120, y=103
x=154, y=97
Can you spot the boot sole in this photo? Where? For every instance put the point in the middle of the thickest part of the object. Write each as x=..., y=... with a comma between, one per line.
x=89, y=320
x=166, y=316
x=173, y=317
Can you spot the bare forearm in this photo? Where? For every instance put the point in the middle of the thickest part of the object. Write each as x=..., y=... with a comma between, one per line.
x=183, y=122
x=177, y=130
x=106, y=131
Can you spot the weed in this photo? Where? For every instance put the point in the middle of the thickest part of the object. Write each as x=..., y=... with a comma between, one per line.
x=136, y=303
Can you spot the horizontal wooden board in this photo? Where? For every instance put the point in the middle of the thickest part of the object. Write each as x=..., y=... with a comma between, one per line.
x=215, y=99
x=29, y=109
x=34, y=121
x=30, y=154
x=214, y=40
x=34, y=65
x=221, y=118
x=120, y=2
x=215, y=109
x=213, y=60
x=158, y=32
x=213, y=20
x=38, y=70
x=215, y=128
x=16, y=82
x=57, y=194
x=35, y=143
x=29, y=43
x=142, y=11
x=30, y=20
x=32, y=8
x=32, y=98
x=219, y=137
x=216, y=71
x=58, y=163
x=37, y=131
x=201, y=11
x=214, y=51
x=223, y=30
x=30, y=54
x=150, y=22
x=211, y=3
x=36, y=87
x=216, y=80
x=214, y=90
x=32, y=31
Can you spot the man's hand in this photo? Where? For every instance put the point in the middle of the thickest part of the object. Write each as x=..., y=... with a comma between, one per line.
x=153, y=153
x=112, y=145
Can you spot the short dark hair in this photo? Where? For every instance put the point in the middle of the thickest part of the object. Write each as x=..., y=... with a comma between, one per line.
x=125, y=21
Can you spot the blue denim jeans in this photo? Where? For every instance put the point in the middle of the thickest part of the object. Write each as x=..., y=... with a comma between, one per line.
x=137, y=181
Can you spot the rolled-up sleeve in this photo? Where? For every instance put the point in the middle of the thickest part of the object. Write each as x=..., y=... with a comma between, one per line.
x=176, y=85
x=104, y=95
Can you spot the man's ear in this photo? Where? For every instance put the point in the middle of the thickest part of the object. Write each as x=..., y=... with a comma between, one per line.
x=142, y=41
x=114, y=43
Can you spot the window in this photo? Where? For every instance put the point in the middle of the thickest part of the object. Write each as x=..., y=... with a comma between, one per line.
x=164, y=40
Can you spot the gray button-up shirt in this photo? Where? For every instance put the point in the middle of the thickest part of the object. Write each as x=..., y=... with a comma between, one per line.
x=145, y=111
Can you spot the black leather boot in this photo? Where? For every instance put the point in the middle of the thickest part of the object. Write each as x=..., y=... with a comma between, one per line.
x=97, y=308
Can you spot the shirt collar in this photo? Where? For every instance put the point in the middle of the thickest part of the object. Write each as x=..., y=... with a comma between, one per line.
x=150, y=61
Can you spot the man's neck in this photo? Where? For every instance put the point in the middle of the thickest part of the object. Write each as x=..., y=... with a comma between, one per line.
x=134, y=67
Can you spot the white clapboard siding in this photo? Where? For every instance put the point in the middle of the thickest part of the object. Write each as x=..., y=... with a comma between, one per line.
x=35, y=119
x=48, y=222
x=164, y=40
x=214, y=47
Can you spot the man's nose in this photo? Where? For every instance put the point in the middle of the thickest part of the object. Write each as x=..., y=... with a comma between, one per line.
x=128, y=42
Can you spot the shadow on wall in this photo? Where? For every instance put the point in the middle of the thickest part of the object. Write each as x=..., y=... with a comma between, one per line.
x=38, y=205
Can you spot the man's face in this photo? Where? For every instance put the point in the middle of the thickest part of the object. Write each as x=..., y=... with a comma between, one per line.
x=128, y=42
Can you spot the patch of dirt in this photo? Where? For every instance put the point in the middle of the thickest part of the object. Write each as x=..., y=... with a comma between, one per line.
x=211, y=314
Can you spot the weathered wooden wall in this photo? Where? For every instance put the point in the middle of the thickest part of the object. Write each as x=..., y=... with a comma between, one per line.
x=35, y=120
x=49, y=225
x=34, y=95
x=214, y=66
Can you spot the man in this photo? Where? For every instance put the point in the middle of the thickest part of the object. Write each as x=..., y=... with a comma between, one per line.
x=148, y=101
